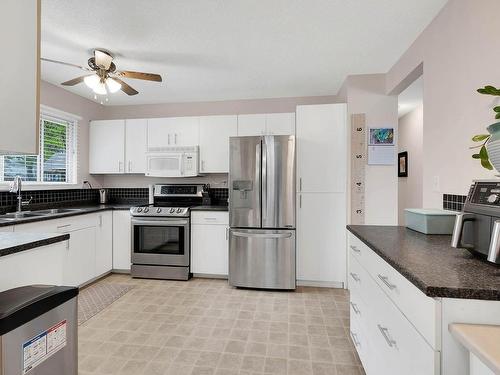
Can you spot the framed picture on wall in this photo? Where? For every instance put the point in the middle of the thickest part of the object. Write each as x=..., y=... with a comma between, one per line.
x=403, y=164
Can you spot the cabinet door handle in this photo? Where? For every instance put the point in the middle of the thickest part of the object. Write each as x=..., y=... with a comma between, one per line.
x=355, y=339
x=129, y=166
x=203, y=165
x=354, y=248
x=385, y=280
x=385, y=332
x=175, y=138
x=300, y=183
x=100, y=220
x=355, y=308
x=355, y=277
x=227, y=234
x=168, y=139
x=300, y=201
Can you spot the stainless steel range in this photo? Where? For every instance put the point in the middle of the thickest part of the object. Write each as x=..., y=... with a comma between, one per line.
x=161, y=232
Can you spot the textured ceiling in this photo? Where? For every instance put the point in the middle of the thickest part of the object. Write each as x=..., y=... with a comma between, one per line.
x=232, y=49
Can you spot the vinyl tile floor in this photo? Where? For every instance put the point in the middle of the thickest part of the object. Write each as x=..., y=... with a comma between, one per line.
x=205, y=327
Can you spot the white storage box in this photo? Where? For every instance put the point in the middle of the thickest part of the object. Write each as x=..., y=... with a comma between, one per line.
x=430, y=220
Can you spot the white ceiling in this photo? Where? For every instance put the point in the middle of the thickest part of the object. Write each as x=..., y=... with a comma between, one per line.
x=411, y=98
x=231, y=49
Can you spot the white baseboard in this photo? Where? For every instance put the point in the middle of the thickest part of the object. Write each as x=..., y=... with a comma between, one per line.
x=321, y=284
x=127, y=272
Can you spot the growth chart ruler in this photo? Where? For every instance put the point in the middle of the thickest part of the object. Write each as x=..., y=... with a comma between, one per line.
x=358, y=165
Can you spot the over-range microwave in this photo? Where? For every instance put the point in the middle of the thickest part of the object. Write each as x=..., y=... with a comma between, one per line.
x=175, y=161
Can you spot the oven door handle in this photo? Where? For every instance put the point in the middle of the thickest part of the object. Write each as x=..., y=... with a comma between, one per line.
x=160, y=223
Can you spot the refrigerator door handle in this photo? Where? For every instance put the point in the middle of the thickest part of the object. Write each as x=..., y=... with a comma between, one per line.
x=262, y=235
x=264, y=182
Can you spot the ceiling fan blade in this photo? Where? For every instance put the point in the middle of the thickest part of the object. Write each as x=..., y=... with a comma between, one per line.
x=65, y=63
x=75, y=81
x=127, y=89
x=102, y=59
x=140, y=75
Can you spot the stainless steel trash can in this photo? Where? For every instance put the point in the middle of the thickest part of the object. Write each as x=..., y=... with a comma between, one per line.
x=38, y=331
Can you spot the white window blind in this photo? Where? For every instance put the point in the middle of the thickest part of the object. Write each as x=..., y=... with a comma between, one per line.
x=56, y=162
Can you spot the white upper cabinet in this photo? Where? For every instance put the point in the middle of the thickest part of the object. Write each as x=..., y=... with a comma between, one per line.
x=107, y=146
x=321, y=148
x=20, y=82
x=173, y=131
x=135, y=145
x=266, y=124
x=280, y=123
x=251, y=124
x=214, y=142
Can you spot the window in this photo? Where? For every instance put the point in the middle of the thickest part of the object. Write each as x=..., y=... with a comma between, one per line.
x=56, y=162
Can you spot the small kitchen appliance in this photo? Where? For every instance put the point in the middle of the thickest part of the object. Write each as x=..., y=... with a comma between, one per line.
x=103, y=196
x=161, y=232
x=172, y=161
x=477, y=227
x=262, y=212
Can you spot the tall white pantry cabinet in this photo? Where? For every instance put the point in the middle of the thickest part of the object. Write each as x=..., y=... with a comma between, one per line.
x=321, y=133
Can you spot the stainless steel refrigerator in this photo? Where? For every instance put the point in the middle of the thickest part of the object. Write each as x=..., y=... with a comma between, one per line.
x=262, y=212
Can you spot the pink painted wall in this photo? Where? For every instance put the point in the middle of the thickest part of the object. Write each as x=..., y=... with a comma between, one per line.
x=228, y=107
x=459, y=54
x=366, y=94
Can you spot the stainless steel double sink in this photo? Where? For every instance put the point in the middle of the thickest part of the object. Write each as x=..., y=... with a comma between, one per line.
x=14, y=216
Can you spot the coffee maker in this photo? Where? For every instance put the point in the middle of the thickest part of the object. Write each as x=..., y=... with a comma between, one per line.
x=477, y=227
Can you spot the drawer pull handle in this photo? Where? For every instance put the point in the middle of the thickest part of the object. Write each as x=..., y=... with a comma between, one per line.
x=355, y=339
x=385, y=332
x=63, y=226
x=355, y=308
x=354, y=248
x=355, y=277
x=210, y=218
x=385, y=280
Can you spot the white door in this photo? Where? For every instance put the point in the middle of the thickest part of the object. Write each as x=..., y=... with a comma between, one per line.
x=121, y=240
x=104, y=243
x=79, y=258
x=173, y=131
x=321, y=148
x=135, y=145
x=214, y=142
x=321, y=237
x=209, y=249
x=107, y=146
x=251, y=124
x=280, y=123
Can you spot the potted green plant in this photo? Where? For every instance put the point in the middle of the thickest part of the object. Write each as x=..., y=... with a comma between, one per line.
x=489, y=149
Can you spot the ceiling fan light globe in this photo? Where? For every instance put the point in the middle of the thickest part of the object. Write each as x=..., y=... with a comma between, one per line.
x=113, y=86
x=100, y=89
x=91, y=81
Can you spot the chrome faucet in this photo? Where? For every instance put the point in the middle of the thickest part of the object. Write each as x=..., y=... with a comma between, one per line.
x=16, y=187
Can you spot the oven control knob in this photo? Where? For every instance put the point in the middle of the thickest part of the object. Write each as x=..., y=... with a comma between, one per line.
x=493, y=198
x=146, y=210
x=158, y=210
x=179, y=210
x=139, y=209
x=172, y=210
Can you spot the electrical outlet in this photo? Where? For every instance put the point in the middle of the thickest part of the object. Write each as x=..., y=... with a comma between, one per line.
x=436, y=185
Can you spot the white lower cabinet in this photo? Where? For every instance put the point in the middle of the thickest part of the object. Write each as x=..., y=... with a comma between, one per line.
x=387, y=341
x=321, y=255
x=122, y=240
x=104, y=243
x=209, y=243
x=9, y=228
x=24, y=268
x=79, y=257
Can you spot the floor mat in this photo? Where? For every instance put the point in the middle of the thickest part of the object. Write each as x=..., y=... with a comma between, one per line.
x=97, y=297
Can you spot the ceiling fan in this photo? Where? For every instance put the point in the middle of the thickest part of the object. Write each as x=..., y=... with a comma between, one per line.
x=105, y=78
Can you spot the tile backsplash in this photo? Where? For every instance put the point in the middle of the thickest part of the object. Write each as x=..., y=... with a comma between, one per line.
x=453, y=202
x=41, y=199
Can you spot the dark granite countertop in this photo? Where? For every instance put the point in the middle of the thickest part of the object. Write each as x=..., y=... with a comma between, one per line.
x=210, y=208
x=13, y=242
x=83, y=210
x=431, y=264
